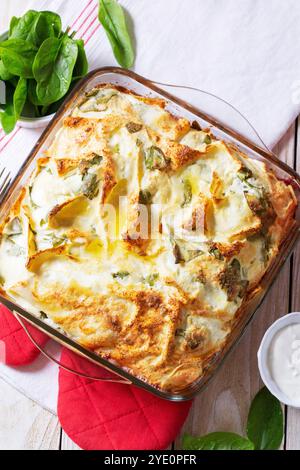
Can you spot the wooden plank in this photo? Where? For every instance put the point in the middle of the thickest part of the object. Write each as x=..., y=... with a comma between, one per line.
x=24, y=425
x=224, y=404
x=293, y=415
x=67, y=443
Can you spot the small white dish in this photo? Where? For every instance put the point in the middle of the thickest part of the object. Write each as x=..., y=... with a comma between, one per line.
x=35, y=122
x=263, y=357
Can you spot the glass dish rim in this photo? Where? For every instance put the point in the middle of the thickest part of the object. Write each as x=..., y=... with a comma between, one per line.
x=193, y=389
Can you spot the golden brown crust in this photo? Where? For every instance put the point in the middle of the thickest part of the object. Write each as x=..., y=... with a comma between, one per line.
x=65, y=165
x=162, y=308
x=38, y=258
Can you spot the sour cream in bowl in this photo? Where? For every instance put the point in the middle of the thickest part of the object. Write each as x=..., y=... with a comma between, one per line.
x=279, y=359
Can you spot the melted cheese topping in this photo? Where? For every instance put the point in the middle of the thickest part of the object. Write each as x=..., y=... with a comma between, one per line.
x=160, y=303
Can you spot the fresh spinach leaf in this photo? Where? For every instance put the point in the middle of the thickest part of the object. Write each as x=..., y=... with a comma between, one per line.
x=265, y=421
x=51, y=62
x=112, y=18
x=41, y=30
x=20, y=96
x=14, y=106
x=55, y=21
x=29, y=109
x=81, y=65
x=17, y=56
x=52, y=108
x=36, y=26
x=13, y=23
x=264, y=429
x=32, y=93
x=53, y=68
x=44, y=110
x=217, y=441
x=21, y=27
x=55, y=106
x=28, y=28
x=4, y=73
x=7, y=118
x=45, y=59
x=13, y=81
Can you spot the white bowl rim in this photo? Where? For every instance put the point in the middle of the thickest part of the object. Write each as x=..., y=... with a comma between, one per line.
x=262, y=355
x=35, y=122
x=48, y=117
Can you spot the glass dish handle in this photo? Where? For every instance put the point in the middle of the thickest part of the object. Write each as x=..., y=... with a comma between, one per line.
x=66, y=368
x=213, y=95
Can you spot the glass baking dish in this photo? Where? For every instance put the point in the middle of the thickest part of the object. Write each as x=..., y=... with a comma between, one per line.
x=178, y=107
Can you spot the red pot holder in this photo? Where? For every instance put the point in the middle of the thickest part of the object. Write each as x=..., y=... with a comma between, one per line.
x=18, y=350
x=102, y=415
x=98, y=415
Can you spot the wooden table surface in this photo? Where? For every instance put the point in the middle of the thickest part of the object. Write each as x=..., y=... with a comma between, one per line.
x=224, y=405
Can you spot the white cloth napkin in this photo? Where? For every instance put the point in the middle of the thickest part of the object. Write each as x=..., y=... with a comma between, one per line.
x=246, y=52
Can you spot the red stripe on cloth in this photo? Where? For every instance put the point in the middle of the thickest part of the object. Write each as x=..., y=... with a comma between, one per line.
x=86, y=19
x=92, y=34
x=89, y=26
x=80, y=15
x=10, y=139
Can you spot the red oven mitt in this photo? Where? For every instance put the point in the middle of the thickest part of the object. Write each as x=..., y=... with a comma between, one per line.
x=17, y=349
x=98, y=415
x=101, y=415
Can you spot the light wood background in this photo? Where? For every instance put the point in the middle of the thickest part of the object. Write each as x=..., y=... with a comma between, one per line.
x=224, y=405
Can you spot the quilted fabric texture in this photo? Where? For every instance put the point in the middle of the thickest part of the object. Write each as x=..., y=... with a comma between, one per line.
x=19, y=350
x=98, y=415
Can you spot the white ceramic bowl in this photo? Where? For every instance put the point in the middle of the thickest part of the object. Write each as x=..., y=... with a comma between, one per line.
x=35, y=122
x=262, y=356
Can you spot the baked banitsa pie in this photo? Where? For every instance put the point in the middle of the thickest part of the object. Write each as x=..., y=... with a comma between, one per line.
x=142, y=237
